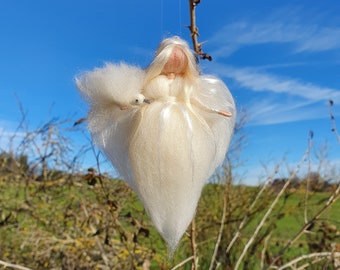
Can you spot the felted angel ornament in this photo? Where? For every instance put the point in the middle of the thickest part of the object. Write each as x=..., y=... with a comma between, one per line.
x=165, y=129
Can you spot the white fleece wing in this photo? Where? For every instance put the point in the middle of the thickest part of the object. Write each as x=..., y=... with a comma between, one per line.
x=211, y=97
x=113, y=84
x=107, y=89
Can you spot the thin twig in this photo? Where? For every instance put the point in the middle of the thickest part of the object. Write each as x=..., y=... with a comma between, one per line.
x=6, y=264
x=264, y=250
x=100, y=246
x=309, y=263
x=182, y=263
x=193, y=245
x=107, y=197
x=310, y=142
x=194, y=31
x=219, y=237
x=309, y=256
x=330, y=201
x=270, y=209
x=245, y=218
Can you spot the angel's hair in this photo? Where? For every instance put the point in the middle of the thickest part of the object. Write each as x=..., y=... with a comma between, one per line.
x=163, y=54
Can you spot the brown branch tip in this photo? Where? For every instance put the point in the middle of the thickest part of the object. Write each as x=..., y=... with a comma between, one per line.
x=194, y=32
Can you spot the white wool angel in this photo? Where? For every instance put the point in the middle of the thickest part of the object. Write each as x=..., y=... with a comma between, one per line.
x=165, y=129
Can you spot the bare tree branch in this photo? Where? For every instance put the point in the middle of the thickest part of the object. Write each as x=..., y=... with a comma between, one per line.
x=309, y=256
x=245, y=218
x=310, y=143
x=330, y=201
x=100, y=247
x=6, y=264
x=219, y=237
x=270, y=209
x=334, y=129
x=182, y=263
x=194, y=31
x=264, y=250
x=193, y=245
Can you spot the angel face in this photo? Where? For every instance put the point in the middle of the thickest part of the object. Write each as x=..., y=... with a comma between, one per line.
x=173, y=57
x=176, y=64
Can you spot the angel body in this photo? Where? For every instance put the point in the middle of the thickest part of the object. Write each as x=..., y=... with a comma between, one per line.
x=167, y=149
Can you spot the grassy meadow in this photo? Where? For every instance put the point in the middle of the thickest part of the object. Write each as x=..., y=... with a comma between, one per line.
x=52, y=216
x=93, y=222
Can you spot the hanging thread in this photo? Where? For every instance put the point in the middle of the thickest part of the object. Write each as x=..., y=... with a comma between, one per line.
x=162, y=18
x=180, y=17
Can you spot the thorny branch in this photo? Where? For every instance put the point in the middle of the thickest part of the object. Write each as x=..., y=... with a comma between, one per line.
x=334, y=129
x=194, y=31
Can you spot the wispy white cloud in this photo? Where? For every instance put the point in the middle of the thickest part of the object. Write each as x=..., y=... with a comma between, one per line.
x=285, y=100
x=276, y=98
x=282, y=26
x=255, y=80
x=272, y=111
x=259, y=81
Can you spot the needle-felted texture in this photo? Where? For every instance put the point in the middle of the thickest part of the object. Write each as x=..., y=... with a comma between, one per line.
x=165, y=129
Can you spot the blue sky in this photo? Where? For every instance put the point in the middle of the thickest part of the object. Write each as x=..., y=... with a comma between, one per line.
x=280, y=59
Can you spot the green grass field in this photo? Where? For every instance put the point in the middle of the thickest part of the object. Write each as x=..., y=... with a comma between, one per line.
x=70, y=224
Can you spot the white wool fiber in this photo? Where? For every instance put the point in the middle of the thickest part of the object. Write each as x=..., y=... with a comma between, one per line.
x=167, y=148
